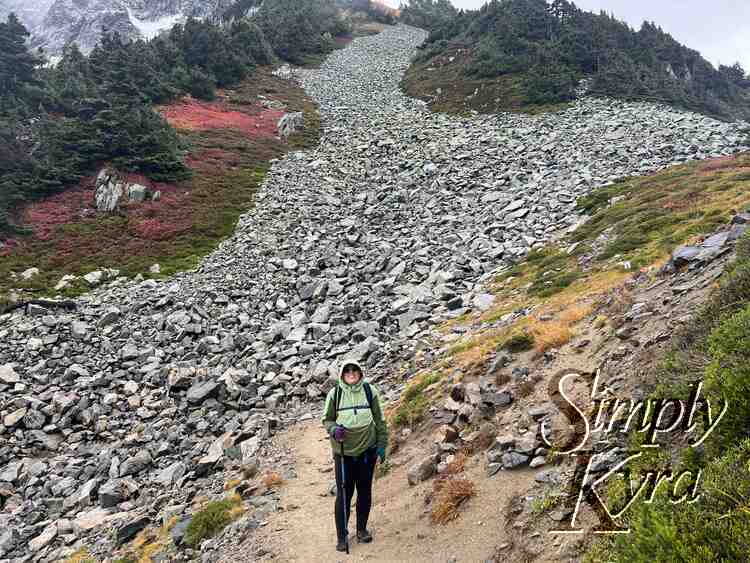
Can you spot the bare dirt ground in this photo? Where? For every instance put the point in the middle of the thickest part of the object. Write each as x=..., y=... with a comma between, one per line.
x=304, y=530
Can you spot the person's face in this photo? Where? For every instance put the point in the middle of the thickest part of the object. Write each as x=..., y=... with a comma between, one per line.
x=351, y=375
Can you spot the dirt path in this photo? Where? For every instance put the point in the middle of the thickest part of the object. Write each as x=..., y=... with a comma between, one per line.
x=304, y=530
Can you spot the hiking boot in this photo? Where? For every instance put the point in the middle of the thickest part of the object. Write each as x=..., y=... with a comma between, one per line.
x=364, y=536
x=341, y=546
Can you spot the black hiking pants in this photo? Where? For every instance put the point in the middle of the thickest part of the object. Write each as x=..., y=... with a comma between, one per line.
x=359, y=471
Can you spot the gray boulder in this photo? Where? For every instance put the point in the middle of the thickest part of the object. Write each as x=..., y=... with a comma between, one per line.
x=109, y=190
x=137, y=193
x=423, y=469
x=136, y=463
x=291, y=123
x=201, y=390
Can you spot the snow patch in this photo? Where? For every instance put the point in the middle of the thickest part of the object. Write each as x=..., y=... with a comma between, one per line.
x=151, y=28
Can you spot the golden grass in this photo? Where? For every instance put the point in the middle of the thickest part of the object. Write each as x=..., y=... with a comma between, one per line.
x=81, y=555
x=149, y=542
x=558, y=332
x=576, y=313
x=450, y=494
x=231, y=484
x=549, y=334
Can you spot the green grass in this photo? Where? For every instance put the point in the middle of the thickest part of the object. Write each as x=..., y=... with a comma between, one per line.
x=460, y=93
x=546, y=503
x=211, y=520
x=661, y=211
x=414, y=402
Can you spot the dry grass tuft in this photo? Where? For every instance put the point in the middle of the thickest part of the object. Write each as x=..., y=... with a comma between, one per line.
x=82, y=555
x=451, y=493
x=576, y=313
x=272, y=479
x=556, y=333
x=502, y=378
x=549, y=334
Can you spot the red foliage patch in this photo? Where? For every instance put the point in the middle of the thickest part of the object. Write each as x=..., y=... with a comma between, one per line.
x=76, y=204
x=195, y=115
x=163, y=219
x=45, y=215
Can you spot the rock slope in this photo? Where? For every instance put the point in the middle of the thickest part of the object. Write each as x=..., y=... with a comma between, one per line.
x=352, y=250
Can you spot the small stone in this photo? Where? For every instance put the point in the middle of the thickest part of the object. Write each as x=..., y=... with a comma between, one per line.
x=79, y=330
x=538, y=461
x=511, y=460
x=30, y=273
x=130, y=529
x=483, y=301
x=94, y=278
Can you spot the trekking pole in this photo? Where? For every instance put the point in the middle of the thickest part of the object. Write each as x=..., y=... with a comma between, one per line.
x=343, y=497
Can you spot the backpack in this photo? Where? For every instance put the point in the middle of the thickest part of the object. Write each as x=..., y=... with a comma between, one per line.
x=368, y=394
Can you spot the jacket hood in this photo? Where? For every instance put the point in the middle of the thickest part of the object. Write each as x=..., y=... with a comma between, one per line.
x=341, y=374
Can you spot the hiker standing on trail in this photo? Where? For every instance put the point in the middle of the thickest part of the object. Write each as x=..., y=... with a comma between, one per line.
x=353, y=417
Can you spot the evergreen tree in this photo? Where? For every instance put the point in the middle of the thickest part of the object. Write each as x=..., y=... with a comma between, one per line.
x=296, y=28
x=17, y=64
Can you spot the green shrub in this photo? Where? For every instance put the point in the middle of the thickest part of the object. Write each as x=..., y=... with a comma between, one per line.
x=519, y=342
x=549, y=84
x=728, y=376
x=715, y=528
x=715, y=347
x=211, y=520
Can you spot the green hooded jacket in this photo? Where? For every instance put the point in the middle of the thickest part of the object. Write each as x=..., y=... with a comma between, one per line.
x=364, y=428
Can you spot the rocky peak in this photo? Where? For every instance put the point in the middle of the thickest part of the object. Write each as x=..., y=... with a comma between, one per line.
x=57, y=22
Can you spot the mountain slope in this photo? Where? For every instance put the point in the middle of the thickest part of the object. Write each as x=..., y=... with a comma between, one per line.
x=83, y=21
x=134, y=408
x=531, y=52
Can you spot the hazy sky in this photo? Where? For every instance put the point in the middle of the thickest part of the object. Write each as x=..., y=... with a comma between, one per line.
x=719, y=29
